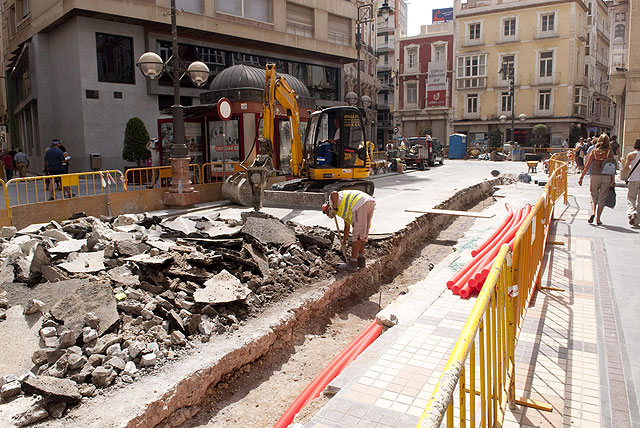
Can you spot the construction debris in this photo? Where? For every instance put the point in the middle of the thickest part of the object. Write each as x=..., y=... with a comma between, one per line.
x=96, y=302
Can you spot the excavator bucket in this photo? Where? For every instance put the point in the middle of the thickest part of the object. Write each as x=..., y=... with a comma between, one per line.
x=246, y=187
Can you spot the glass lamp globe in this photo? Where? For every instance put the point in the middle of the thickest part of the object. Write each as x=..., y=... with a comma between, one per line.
x=151, y=65
x=351, y=98
x=522, y=117
x=198, y=73
x=503, y=118
x=366, y=101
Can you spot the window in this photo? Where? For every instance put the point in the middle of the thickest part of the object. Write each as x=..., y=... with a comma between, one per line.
x=508, y=62
x=544, y=100
x=339, y=30
x=23, y=9
x=193, y=6
x=412, y=59
x=548, y=23
x=439, y=53
x=580, y=96
x=618, y=33
x=472, y=71
x=260, y=10
x=472, y=103
x=299, y=20
x=546, y=64
x=586, y=70
x=509, y=28
x=505, y=103
x=474, y=31
x=115, y=58
x=412, y=94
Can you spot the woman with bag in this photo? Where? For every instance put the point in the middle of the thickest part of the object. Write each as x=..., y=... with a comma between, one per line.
x=633, y=183
x=603, y=170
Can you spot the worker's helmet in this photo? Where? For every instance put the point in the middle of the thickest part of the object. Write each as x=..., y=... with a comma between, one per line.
x=325, y=207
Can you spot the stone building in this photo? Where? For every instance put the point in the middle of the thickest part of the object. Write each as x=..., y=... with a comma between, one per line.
x=71, y=71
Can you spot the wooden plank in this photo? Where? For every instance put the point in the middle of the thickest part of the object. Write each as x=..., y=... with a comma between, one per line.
x=452, y=212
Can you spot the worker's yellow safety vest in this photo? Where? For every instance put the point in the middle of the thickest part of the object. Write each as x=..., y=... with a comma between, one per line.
x=349, y=199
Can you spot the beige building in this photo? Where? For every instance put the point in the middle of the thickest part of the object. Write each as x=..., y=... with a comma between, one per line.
x=71, y=64
x=545, y=44
x=625, y=70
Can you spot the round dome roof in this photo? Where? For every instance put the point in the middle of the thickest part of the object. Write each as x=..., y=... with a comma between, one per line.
x=245, y=77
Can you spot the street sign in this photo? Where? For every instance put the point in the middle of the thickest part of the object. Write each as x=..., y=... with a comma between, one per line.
x=224, y=109
x=395, y=129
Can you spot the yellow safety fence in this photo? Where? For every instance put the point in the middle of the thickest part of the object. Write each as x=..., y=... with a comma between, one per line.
x=30, y=190
x=482, y=362
x=151, y=176
x=7, y=207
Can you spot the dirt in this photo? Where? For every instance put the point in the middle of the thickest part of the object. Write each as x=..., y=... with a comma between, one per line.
x=257, y=395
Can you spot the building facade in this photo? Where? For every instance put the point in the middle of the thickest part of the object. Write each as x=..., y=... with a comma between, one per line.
x=625, y=71
x=71, y=68
x=390, y=29
x=544, y=44
x=424, y=85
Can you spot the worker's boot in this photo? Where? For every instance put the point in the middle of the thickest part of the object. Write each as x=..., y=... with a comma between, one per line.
x=351, y=266
x=362, y=262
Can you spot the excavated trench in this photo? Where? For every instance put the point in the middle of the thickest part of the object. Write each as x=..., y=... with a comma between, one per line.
x=256, y=385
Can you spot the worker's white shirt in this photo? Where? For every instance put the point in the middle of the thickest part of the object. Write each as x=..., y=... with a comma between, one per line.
x=360, y=202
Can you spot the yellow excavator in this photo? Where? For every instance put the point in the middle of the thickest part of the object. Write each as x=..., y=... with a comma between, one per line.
x=334, y=154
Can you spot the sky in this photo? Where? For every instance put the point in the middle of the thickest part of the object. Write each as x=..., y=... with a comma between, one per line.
x=419, y=13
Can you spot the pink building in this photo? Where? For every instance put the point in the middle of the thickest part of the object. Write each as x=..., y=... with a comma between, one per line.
x=425, y=67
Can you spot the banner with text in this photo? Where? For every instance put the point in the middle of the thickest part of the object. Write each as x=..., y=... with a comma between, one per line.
x=437, y=84
x=442, y=15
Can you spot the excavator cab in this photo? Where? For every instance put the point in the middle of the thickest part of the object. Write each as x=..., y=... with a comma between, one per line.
x=334, y=146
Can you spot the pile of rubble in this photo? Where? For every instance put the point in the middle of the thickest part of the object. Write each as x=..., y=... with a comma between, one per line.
x=95, y=302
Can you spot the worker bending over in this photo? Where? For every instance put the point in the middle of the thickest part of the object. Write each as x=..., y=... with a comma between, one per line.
x=355, y=208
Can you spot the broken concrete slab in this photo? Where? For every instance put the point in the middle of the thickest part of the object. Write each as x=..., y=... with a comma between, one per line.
x=147, y=259
x=84, y=262
x=67, y=247
x=17, y=357
x=96, y=297
x=56, y=235
x=217, y=229
x=126, y=220
x=53, y=388
x=181, y=225
x=160, y=244
x=122, y=275
x=269, y=231
x=127, y=248
x=33, y=228
x=8, y=232
x=222, y=288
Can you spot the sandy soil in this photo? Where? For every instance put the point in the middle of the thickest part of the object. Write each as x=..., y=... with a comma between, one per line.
x=257, y=397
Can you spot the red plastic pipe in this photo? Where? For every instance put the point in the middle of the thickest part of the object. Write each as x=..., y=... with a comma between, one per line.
x=368, y=335
x=503, y=224
x=477, y=263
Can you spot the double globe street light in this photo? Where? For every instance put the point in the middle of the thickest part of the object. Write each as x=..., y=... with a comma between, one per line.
x=508, y=72
x=152, y=67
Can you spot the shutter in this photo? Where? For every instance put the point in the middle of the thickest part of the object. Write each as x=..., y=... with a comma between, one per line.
x=299, y=14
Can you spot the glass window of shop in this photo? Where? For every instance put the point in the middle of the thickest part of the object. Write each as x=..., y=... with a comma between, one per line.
x=192, y=139
x=224, y=141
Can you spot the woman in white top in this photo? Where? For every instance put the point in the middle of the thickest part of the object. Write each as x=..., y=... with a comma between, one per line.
x=633, y=195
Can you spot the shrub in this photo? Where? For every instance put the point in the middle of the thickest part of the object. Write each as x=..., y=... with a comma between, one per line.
x=135, y=142
x=495, y=138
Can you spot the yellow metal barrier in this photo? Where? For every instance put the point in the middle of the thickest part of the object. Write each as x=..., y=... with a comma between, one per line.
x=214, y=172
x=148, y=176
x=7, y=205
x=493, y=327
x=30, y=190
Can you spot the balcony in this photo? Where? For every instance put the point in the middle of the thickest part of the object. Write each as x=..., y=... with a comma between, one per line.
x=475, y=42
x=619, y=59
x=604, y=31
x=602, y=60
x=537, y=80
x=386, y=46
x=385, y=66
x=386, y=86
x=384, y=26
x=580, y=110
x=582, y=80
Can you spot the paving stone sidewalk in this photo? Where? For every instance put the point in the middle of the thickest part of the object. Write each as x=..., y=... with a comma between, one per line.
x=574, y=349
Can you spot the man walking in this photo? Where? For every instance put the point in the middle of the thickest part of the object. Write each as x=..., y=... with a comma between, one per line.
x=22, y=162
x=7, y=159
x=356, y=209
x=53, y=163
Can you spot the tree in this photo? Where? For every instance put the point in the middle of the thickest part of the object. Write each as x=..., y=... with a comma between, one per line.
x=495, y=138
x=540, y=134
x=135, y=142
x=574, y=134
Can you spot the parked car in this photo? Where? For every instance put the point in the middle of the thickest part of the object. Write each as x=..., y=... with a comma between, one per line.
x=423, y=152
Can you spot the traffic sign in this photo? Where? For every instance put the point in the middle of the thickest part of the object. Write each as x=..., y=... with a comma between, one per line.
x=224, y=109
x=395, y=129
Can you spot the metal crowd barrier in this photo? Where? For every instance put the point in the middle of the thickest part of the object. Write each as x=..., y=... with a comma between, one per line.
x=213, y=172
x=493, y=327
x=7, y=206
x=150, y=176
x=30, y=190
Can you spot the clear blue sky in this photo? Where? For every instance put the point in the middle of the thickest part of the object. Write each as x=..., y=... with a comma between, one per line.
x=419, y=13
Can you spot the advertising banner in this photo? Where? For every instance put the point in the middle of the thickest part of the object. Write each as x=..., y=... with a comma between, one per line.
x=442, y=15
x=437, y=84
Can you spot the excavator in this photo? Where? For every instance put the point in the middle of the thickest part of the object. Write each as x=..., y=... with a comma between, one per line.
x=334, y=154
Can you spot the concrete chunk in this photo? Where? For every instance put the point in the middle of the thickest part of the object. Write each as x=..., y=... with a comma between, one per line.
x=54, y=388
x=181, y=225
x=146, y=259
x=68, y=246
x=10, y=390
x=269, y=231
x=84, y=262
x=222, y=288
x=122, y=275
x=103, y=376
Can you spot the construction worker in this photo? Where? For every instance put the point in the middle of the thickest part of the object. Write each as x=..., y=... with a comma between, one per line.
x=356, y=208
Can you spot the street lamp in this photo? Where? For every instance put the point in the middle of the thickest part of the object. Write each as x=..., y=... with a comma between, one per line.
x=152, y=67
x=508, y=72
x=365, y=14
x=351, y=98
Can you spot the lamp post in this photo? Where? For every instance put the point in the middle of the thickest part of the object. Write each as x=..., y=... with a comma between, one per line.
x=181, y=193
x=365, y=14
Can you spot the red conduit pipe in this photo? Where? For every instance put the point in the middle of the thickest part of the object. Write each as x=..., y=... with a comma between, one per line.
x=503, y=224
x=286, y=419
x=477, y=262
x=463, y=272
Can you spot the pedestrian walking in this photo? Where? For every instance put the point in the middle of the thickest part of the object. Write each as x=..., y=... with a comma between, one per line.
x=152, y=146
x=53, y=165
x=22, y=163
x=579, y=153
x=615, y=147
x=601, y=179
x=7, y=160
x=356, y=209
x=632, y=164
